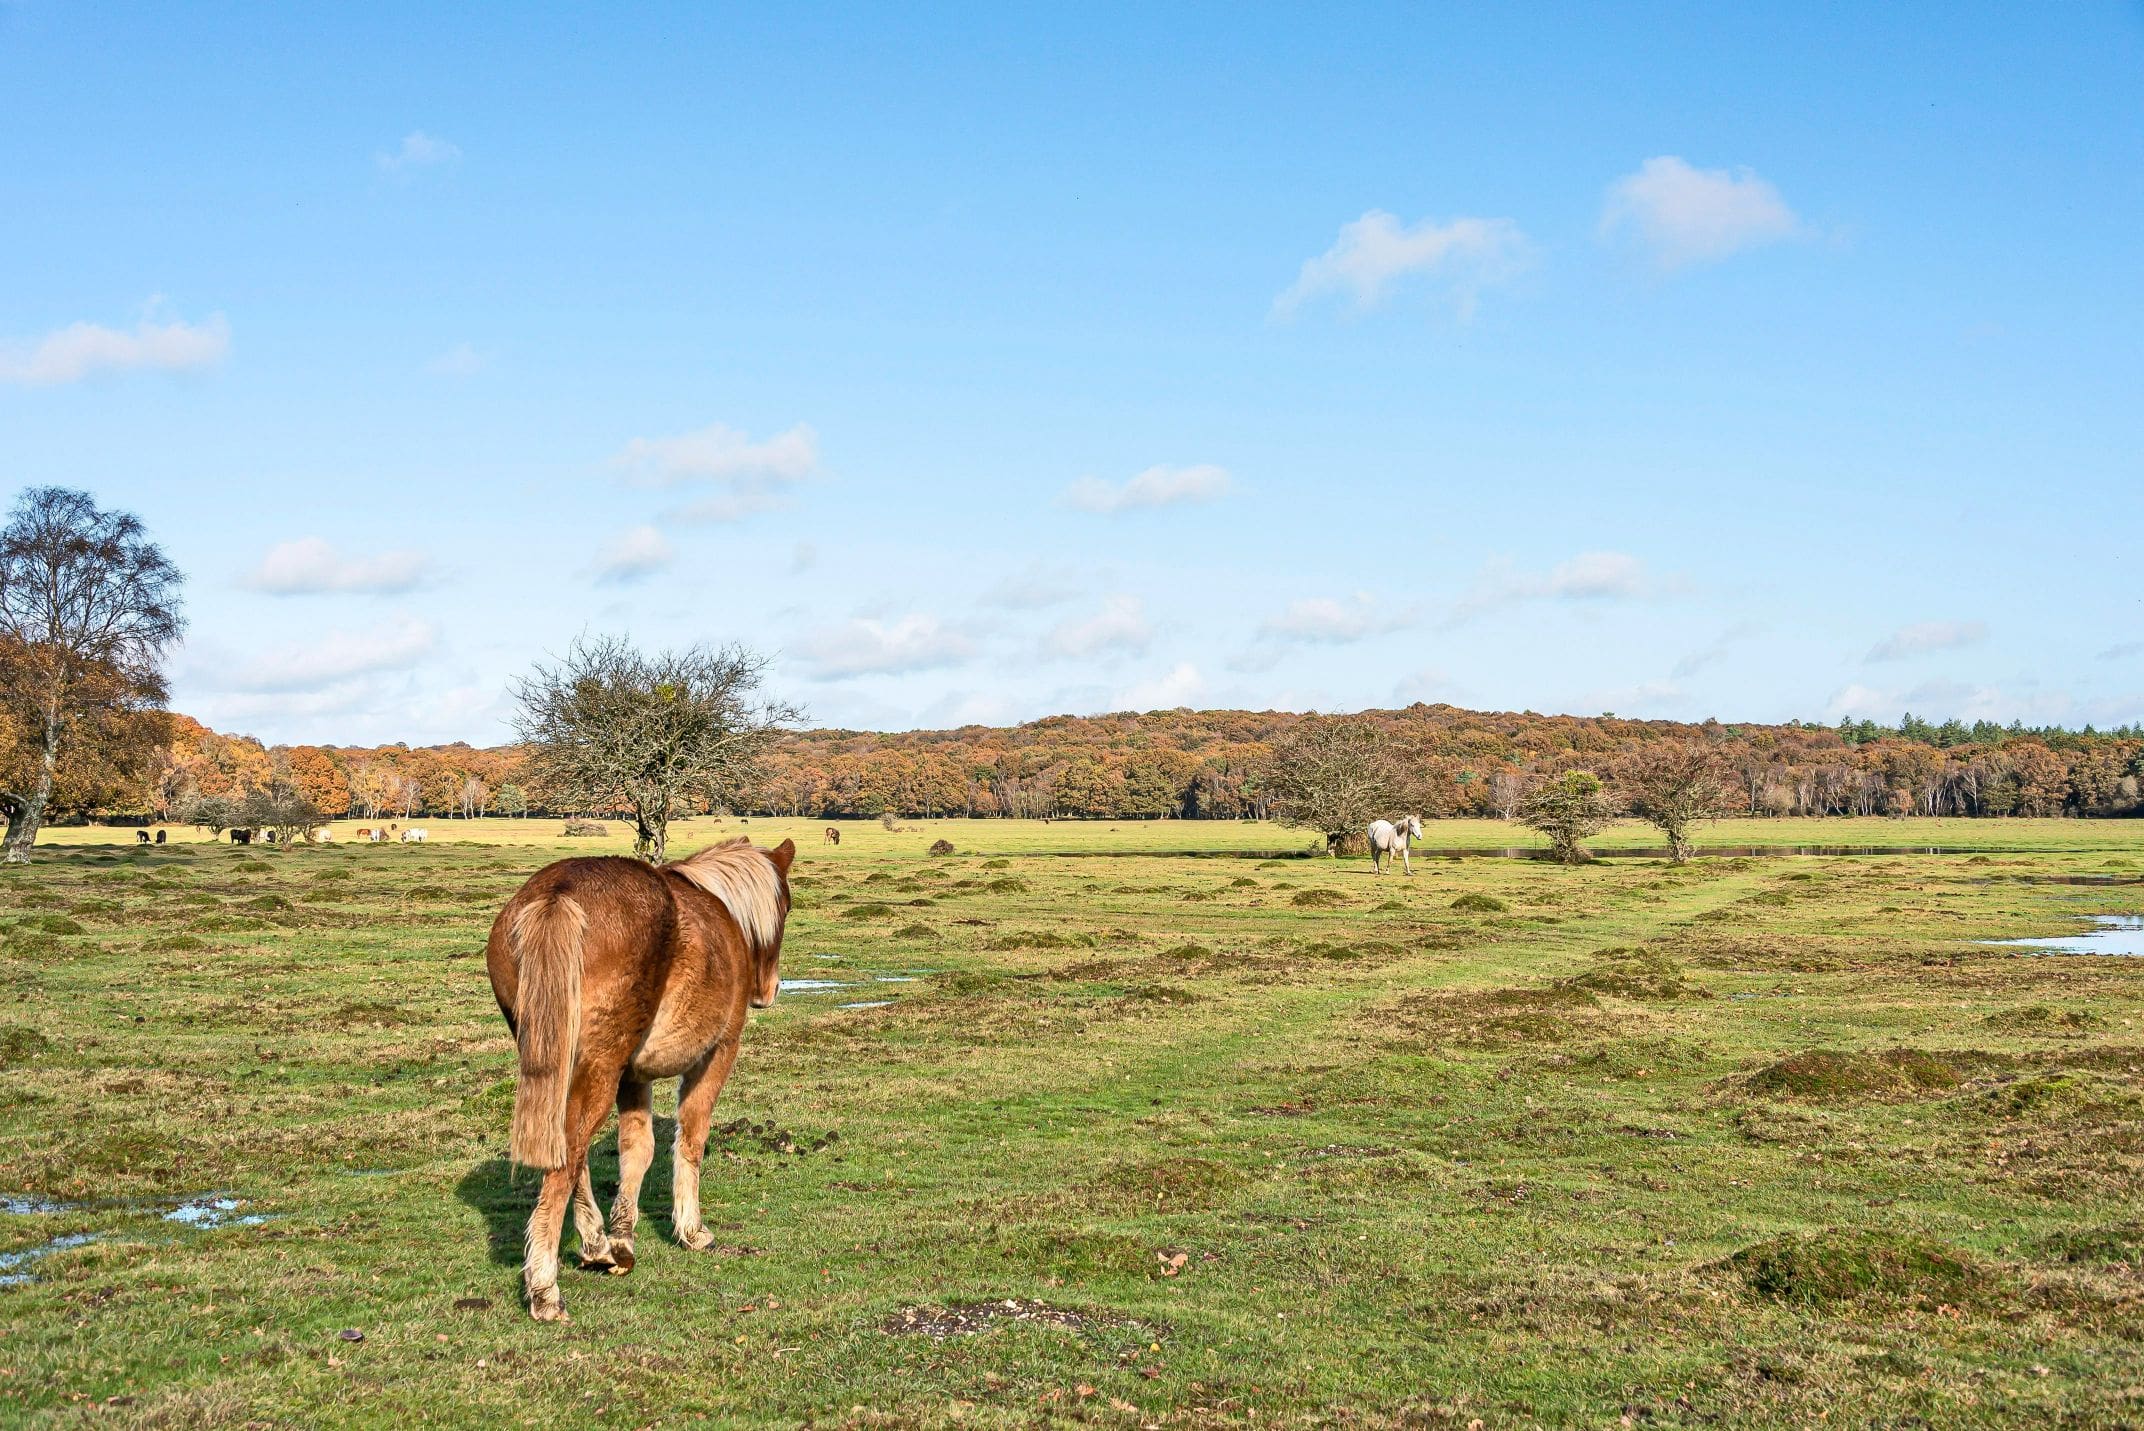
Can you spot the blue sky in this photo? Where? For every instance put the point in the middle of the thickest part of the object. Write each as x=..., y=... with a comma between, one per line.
x=1002, y=361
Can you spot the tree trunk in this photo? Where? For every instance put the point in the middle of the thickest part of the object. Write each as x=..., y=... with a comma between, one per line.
x=25, y=813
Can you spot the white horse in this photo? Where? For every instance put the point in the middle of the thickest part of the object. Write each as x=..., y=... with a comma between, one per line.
x=1388, y=839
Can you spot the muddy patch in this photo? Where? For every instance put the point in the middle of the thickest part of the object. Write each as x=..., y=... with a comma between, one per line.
x=968, y=1319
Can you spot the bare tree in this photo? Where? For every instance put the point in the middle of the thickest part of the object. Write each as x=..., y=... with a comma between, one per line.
x=1674, y=784
x=88, y=607
x=610, y=727
x=1569, y=809
x=1335, y=777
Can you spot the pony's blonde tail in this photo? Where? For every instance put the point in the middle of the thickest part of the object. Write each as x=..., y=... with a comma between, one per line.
x=547, y=1023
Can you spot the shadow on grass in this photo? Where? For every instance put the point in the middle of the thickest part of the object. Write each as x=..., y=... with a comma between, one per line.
x=504, y=1195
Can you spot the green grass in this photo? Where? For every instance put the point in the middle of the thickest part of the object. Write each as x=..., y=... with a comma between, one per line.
x=1147, y=1138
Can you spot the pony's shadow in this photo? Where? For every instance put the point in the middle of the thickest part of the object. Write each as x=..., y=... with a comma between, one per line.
x=504, y=1195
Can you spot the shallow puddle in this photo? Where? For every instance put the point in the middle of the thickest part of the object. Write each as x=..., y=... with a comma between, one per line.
x=866, y=1004
x=14, y=1266
x=2114, y=934
x=810, y=986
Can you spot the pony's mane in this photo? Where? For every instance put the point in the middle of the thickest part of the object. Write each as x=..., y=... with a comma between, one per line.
x=743, y=877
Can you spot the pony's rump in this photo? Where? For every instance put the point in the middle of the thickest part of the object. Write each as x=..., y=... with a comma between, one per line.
x=546, y=939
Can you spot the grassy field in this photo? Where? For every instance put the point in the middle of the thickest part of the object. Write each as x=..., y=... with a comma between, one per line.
x=1128, y=1135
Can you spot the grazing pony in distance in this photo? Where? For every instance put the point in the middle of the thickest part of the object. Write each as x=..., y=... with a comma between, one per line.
x=413, y=836
x=1388, y=839
x=160, y=837
x=612, y=974
x=141, y=837
x=833, y=836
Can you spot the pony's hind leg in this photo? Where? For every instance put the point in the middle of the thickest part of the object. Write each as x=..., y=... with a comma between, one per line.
x=597, y=1253
x=636, y=1150
x=586, y=1107
x=695, y=1113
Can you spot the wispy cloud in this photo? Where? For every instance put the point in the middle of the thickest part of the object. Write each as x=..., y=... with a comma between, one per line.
x=1119, y=628
x=1716, y=650
x=1925, y=637
x=418, y=150
x=747, y=477
x=1033, y=588
x=633, y=555
x=1159, y=486
x=1683, y=215
x=87, y=350
x=463, y=360
x=872, y=646
x=1373, y=254
x=1943, y=699
x=311, y=565
x=336, y=656
x=2123, y=651
x=1587, y=577
x=1321, y=621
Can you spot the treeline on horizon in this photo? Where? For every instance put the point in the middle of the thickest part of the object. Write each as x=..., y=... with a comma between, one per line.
x=1185, y=764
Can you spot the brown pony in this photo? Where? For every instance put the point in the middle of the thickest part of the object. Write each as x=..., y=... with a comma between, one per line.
x=612, y=974
x=833, y=836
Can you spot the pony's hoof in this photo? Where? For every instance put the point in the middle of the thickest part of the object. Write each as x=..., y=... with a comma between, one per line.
x=699, y=1239
x=546, y=1307
x=621, y=1259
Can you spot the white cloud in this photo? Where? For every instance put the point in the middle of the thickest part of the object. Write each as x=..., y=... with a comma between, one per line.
x=1944, y=700
x=1429, y=687
x=333, y=657
x=1181, y=685
x=1684, y=215
x=634, y=554
x=84, y=350
x=1032, y=589
x=1587, y=577
x=311, y=565
x=1119, y=628
x=2123, y=651
x=460, y=361
x=1927, y=636
x=418, y=151
x=871, y=646
x=1159, y=486
x=1376, y=251
x=802, y=558
x=720, y=453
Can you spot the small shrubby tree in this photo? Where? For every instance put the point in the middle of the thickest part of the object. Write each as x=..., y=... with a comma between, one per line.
x=1335, y=777
x=1569, y=809
x=1674, y=784
x=88, y=607
x=214, y=813
x=610, y=727
x=282, y=808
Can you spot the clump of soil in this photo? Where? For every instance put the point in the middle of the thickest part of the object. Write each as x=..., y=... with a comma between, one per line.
x=1480, y=904
x=428, y=893
x=51, y=924
x=1829, y=1075
x=1038, y=939
x=998, y=864
x=1642, y=974
x=356, y=1014
x=915, y=931
x=2056, y=1097
x=869, y=910
x=1007, y=884
x=1164, y=994
x=1318, y=899
x=743, y=1138
x=1838, y=1266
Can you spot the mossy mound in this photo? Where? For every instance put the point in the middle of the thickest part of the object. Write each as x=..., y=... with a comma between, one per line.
x=1007, y=884
x=1548, y=1014
x=1480, y=904
x=1318, y=899
x=1169, y=1184
x=997, y=864
x=51, y=924
x=915, y=931
x=1642, y=974
x=941, y=847
x=1037, y=939
x=1828, y=1075
x=1836, y=1266
x=2043, y=1019
x=2056, y=1098
x=2117, y=1243
x=19, y=1044
x=871, y=909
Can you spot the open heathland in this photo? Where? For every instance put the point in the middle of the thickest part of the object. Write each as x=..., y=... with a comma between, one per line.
x=1148, y=1124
